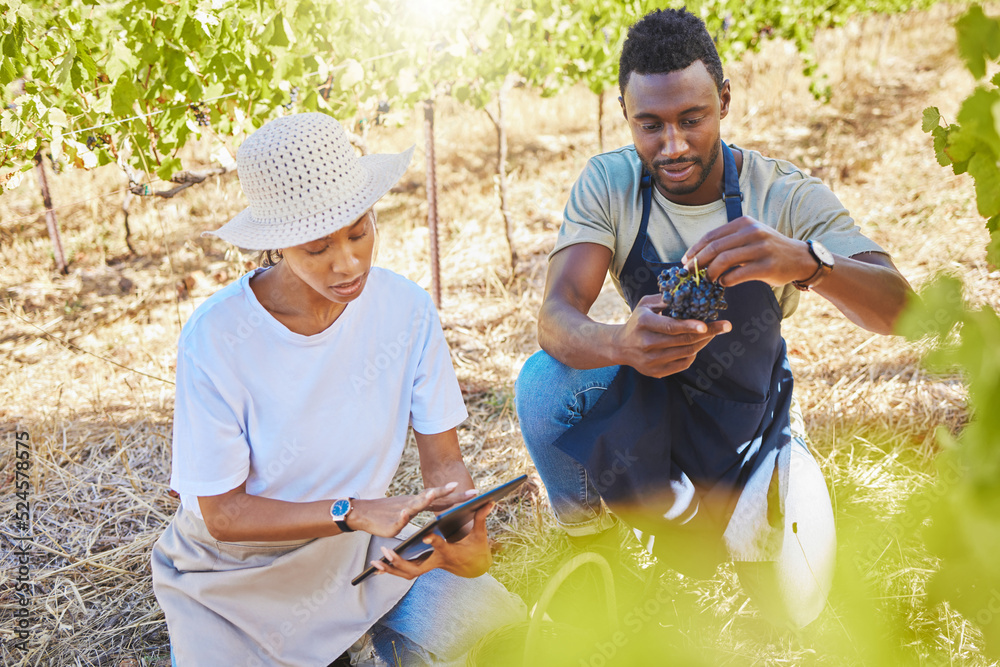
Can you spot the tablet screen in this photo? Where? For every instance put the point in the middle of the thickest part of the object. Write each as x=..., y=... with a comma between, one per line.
x=446, y=524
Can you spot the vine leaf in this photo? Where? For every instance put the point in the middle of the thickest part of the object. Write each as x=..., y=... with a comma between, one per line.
x=932, y=118
x=978, y=39
x=123, y=97
x=976, y=117
x=940, y=135
x=121, y=61
x=983, y=168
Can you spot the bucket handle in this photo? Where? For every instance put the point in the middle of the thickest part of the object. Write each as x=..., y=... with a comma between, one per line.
x=567, y=568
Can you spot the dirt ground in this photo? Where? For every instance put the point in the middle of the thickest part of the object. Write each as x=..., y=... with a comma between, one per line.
x=87, y=360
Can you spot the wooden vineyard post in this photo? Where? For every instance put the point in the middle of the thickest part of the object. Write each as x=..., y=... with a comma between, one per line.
x=432, y=212
x=50, y=216
x=501, y=125
x=600, y=122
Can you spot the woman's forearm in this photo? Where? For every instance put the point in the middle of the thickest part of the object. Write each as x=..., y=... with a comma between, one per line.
x=237, y=516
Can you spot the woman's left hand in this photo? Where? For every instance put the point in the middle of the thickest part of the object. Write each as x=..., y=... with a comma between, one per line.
x=469, y=557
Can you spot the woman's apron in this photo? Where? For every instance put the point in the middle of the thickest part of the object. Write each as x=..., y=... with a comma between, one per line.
x=258, y=604
x=698, y=459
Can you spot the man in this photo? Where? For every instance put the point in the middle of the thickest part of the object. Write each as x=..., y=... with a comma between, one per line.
x=687, y=429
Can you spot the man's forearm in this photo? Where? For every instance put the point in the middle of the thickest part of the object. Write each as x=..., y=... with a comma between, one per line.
x=575, y=339
x=870, y=295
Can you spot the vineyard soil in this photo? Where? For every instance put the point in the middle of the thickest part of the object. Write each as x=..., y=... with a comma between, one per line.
x=87, y=360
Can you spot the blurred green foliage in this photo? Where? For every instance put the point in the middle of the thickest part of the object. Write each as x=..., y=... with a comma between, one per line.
x=965, y=533
x=104, y=82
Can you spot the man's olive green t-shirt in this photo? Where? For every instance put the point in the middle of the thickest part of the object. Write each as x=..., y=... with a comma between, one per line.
x=605, y=207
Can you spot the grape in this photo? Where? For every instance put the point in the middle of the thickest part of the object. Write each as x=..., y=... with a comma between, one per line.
x=292, y=96
x=199, y=113
x=690, y=295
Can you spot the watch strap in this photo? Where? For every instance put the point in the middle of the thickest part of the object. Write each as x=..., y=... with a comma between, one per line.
x=822, y=269
x=341, y=520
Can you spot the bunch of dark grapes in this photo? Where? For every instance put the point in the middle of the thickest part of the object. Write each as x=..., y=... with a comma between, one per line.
x=690, y=295
x=199, y=114
x=96, y=141
x=292, y=96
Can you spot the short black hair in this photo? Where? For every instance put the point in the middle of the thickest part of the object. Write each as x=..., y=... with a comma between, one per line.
x=667, y=40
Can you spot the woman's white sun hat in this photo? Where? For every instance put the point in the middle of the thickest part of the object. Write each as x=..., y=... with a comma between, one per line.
x=304, y=181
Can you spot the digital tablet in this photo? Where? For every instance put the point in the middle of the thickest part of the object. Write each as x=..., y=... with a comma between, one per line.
x=446, y=524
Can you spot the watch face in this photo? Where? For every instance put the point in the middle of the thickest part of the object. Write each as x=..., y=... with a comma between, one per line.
x=340, y=508
x=824, y=255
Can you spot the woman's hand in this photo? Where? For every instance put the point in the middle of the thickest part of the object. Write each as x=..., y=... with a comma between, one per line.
x=454, y=497
x=387, y=516
x=469, y=557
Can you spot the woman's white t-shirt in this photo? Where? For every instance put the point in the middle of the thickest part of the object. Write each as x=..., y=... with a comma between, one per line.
x=304, y=418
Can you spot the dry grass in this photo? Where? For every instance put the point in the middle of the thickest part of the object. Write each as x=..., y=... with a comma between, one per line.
x=101, y=433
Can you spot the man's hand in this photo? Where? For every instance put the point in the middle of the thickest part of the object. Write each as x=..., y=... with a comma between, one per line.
x=656, y=345
x=469, y=557
x=745, y=250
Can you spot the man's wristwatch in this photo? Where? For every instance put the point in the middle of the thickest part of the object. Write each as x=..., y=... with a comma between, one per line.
x=824, y=258
x=339, y=511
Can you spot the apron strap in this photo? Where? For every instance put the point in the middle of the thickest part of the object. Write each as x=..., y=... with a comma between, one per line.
x=733, y=197
x=646, y=188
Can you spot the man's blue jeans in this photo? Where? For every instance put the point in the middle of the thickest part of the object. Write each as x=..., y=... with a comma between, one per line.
x=550, y=397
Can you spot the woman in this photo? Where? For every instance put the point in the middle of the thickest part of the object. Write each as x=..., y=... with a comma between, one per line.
x=295, y=389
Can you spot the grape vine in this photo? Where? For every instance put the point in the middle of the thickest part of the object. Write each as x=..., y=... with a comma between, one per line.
x=965, y=533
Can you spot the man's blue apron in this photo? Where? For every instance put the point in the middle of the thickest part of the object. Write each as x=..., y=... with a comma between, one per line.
x=671, y=456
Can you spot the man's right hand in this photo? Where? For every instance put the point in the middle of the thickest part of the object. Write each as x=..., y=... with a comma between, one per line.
x=657, y=345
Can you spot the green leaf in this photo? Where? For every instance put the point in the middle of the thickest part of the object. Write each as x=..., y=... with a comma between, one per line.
x=121, y=61
x=996, y=117
x=123, y=97
x=9, y=46
x=932, y=119
x=978, y=39
x=213, y=91
x=281, y=36
x=86, y=60
x=993, y=249
x=57, y=117
x=976, y=117
x=983, y=168
x=940, y=135
x=935, y=311
x=168, y=168
x=61, y=75
x=962, y=145
x=7, y=71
